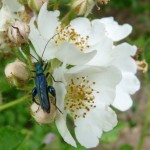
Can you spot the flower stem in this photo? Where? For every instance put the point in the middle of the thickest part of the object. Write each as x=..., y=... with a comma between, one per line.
x=57, y=3
x=145, y=126
x=13, y=103
x=66, y=17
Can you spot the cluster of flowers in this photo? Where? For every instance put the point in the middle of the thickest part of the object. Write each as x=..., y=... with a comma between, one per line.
x=96, y=72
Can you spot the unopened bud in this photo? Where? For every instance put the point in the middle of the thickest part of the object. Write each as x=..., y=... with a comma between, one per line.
x=82, y=6
x=19, y=32
x=43, y=117
x=142, y=65
x=17, y=73
x=36, y=4
x=103, y=1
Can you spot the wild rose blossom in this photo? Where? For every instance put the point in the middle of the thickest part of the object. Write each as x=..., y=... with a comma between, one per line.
x=87, y=95
x=116, y=55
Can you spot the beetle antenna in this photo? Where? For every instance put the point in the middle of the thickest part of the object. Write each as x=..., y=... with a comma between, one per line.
x=48, y=42
x=34, y=58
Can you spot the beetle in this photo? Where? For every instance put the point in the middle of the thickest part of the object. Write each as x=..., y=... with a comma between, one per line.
x=41, y=87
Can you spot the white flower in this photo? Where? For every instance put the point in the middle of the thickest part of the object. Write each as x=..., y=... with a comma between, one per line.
x=90, y=91
x=122, y=59
x=67, y=45
x=109, y=54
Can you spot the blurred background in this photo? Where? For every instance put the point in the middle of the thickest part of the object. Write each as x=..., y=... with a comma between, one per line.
x=133, y=129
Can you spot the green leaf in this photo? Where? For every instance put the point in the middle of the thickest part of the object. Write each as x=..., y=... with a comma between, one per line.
x=10, y=138
x=113, y=135
x=126, y=147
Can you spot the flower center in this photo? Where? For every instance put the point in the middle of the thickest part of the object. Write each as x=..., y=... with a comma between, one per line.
x=68, y=34
x=80, y=98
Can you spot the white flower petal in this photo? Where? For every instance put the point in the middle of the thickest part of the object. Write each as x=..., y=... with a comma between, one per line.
x=47, y=22
x=104, y=117
x=97, y=120
x=59, y=88
x=122, y=100
x=39, y=43
x=63, y=130
x=115, y=31
x=103, y=57
x=125, y=49
x=122, y=59
x=70, y=54
x=97, y=33
x=36, y=39
x=86, y=134
x=60, y=95
x=50, y=51
x=81, y=25
x=95, y=29
x=101, y=75
x=129, y=83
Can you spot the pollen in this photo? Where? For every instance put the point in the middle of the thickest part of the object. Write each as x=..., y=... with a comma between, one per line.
x=80, y=97
x=68, y=34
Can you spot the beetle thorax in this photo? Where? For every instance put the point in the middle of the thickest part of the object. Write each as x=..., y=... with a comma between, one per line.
x=39, y=68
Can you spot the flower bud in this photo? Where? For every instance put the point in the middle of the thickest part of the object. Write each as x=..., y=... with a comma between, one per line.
x=19, y=32
x=17, y=73
x=36, y=4
x=103, y=1
x=43, y=117
x=142, y=65
x=82, y=6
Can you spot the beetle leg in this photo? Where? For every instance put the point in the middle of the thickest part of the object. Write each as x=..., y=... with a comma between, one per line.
x=47, y=74
x=34, y=93
x=51, y=90
x=54, y=78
